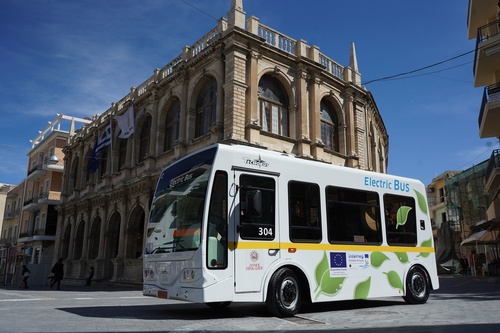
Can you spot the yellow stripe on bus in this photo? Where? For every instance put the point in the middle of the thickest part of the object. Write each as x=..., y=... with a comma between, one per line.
x=327, y=247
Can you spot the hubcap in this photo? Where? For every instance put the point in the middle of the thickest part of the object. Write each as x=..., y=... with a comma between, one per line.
x=418, y=285
x=288, y=293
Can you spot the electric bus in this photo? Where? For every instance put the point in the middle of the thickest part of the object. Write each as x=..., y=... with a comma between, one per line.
x=244, y=224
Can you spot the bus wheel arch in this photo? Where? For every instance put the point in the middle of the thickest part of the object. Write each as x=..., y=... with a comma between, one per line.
x=417, y=285
x=286, y=292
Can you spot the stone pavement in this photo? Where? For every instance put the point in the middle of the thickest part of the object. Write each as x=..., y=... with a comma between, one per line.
x=462, y=304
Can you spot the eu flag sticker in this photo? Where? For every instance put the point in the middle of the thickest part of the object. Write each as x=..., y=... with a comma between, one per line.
x=338, y=260
x=338, y=264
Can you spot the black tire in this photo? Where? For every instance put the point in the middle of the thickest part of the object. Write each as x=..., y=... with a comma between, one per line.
x=284, y=296
x=219, y=305
x=417, y=286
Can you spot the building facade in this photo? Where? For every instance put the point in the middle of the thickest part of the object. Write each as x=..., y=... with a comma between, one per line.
x=484, y=26
x=242, y=83
x=41, y=193
x=9, y=211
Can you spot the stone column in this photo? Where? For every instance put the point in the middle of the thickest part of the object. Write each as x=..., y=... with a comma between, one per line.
x=252, y=124
x=302, y=115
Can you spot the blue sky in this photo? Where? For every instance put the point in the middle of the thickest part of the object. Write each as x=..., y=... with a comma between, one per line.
x=76, y=57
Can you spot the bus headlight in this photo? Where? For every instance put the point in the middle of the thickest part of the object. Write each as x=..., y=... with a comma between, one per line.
x=190, y=275
x=149, y=271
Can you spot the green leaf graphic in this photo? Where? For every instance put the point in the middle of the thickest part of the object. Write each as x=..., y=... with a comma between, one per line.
x=402, y=215
x=422, y=203
x=394, y=280
x=402, y=256
x=427, y=243
x=330, y=285
x=362, y=289
x=321, y=269
x=326, y=284
x=377, y=258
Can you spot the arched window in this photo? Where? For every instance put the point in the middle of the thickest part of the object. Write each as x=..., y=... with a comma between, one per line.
x=273, y=106
x=144, y=139
x=206, y=108
x=172, y=125
x=329, y=127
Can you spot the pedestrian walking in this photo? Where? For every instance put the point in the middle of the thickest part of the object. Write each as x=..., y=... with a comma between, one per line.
x=58, y=271
x=89, y=278
x=26, y=274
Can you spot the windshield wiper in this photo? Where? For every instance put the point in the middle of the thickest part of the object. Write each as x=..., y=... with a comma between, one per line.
x=173, y=245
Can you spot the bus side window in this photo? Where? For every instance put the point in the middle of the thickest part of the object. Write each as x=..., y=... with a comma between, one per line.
x=257, y=222
x=400, y=220
x=217, y=224
x=304, y=212
x=353, y=216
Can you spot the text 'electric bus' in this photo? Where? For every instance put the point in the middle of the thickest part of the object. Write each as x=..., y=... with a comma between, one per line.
x=240, y=224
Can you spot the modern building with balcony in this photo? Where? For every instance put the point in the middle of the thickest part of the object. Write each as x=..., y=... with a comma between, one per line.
x=11, y=198
x=41, y=193
x=243, y=83
x=484, y=25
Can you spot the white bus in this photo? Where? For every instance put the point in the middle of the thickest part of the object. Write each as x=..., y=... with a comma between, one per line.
x=241, y=224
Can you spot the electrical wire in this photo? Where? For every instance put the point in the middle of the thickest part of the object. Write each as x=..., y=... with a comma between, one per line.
x=198, y=9
x=475, y=158
x=417, y=70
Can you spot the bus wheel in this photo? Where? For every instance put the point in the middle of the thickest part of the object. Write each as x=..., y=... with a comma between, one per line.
x=417, y=286
x=284, y=297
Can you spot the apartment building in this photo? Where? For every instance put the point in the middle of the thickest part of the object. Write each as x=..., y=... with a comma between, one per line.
x=8, y=211
x=484, y=26
x=41, y=193
x=243, y=83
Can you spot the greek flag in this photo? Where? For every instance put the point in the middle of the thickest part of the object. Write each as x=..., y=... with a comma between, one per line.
x=99, y=146
x=105, y=140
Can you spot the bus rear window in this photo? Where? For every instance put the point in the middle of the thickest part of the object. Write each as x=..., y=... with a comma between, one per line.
x=353, y=216
x=400, y=220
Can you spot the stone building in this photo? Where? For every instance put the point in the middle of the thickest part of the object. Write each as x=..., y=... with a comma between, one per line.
x=242, y=83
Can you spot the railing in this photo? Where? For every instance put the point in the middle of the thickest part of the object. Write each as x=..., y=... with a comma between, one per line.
x=331, y=66
x=492, y=164
x=491, y=93
x=202, y=44
x=276, y=39
x=35, y=168
x=484, y=33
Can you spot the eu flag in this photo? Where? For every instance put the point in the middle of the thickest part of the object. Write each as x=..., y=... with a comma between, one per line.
x=338, y=260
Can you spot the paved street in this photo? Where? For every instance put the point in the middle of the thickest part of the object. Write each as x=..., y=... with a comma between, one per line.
x=463, y=304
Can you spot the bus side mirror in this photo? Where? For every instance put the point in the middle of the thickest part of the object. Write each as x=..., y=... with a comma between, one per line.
x=254, y=203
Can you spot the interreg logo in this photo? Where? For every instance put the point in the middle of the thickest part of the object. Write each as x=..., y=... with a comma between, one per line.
x=256, y=162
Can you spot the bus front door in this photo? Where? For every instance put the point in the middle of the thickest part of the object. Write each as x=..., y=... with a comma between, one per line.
x=256, y=220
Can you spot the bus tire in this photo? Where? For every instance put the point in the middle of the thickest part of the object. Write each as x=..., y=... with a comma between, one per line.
x=284, y=296
x=417, y=286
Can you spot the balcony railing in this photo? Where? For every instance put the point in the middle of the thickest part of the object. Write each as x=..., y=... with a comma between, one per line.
x=491, y=93
x=484, y=33
x=492, y=164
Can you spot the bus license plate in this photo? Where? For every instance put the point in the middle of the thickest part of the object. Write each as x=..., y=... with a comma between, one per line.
x=163, y=294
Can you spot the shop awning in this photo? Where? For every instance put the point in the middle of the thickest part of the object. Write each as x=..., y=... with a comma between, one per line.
x=474, y=238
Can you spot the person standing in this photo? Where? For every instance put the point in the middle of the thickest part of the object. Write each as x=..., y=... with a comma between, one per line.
x=58, y=271
x=26, y=274
x=89, y=278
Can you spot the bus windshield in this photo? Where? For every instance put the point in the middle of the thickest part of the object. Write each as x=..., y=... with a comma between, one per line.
x=177, y=208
